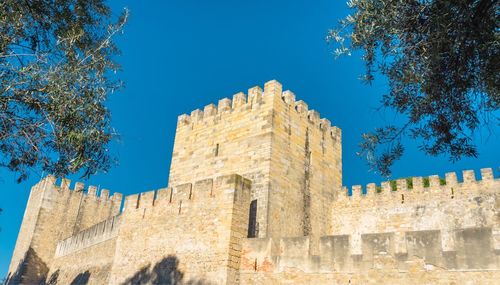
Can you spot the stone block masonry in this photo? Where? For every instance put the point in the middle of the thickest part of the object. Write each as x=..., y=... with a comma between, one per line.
x=200, y=228
x=428, y=231
x=98, y=233
x=54, y=213
x=255, y=196
x=292, y=157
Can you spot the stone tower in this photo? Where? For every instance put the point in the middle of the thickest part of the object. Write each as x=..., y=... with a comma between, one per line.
x=292, y=157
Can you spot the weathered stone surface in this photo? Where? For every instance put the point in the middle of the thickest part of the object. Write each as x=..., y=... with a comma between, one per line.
x=273, y=152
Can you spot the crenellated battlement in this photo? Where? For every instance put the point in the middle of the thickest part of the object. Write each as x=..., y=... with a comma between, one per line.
x=421, y=188
x=473, y=249
x=257, y=100
x=198, y=192
x=79, y=188
x=57, y=211
x=212, y=214
x=93, y=235
x=79, y=208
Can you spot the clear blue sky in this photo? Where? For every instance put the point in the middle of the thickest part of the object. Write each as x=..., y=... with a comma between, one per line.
x=183, y=55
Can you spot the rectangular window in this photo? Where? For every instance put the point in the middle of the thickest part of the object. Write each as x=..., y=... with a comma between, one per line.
x=217, y=150
x=252, y=223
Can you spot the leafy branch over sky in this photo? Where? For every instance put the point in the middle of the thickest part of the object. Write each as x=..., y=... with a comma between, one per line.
x=442, y=62
x=57, y=69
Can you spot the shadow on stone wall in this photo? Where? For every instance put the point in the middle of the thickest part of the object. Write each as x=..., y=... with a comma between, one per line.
x=20, y=277
x=53, y=278
x=81, y=279
x=165, y=272
x=31, y=270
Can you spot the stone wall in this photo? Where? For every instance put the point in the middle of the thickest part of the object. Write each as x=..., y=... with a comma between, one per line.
x=191, y=232
x=54, y=213
x=306, y=167
x=292, y=157
x=86, y=257
x=448, y=207
x=23, y=250
x=90, y=265
x=233, y=137
x=429, y=232
x=101, y=232
x=424, y=261
x=417, y=274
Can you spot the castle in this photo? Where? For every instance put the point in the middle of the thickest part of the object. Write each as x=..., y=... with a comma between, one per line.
x=255, y=196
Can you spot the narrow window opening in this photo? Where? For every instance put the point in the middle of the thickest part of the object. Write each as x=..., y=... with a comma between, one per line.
x=217, y=150
x=252, y=223
x=155, y=196
x=255, y=265
x=402, y=198
x=138, y=202
x=180, y=207
x=452, y=193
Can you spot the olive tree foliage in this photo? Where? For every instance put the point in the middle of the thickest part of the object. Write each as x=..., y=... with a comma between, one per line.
x=56, y=71
x=442, y=62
